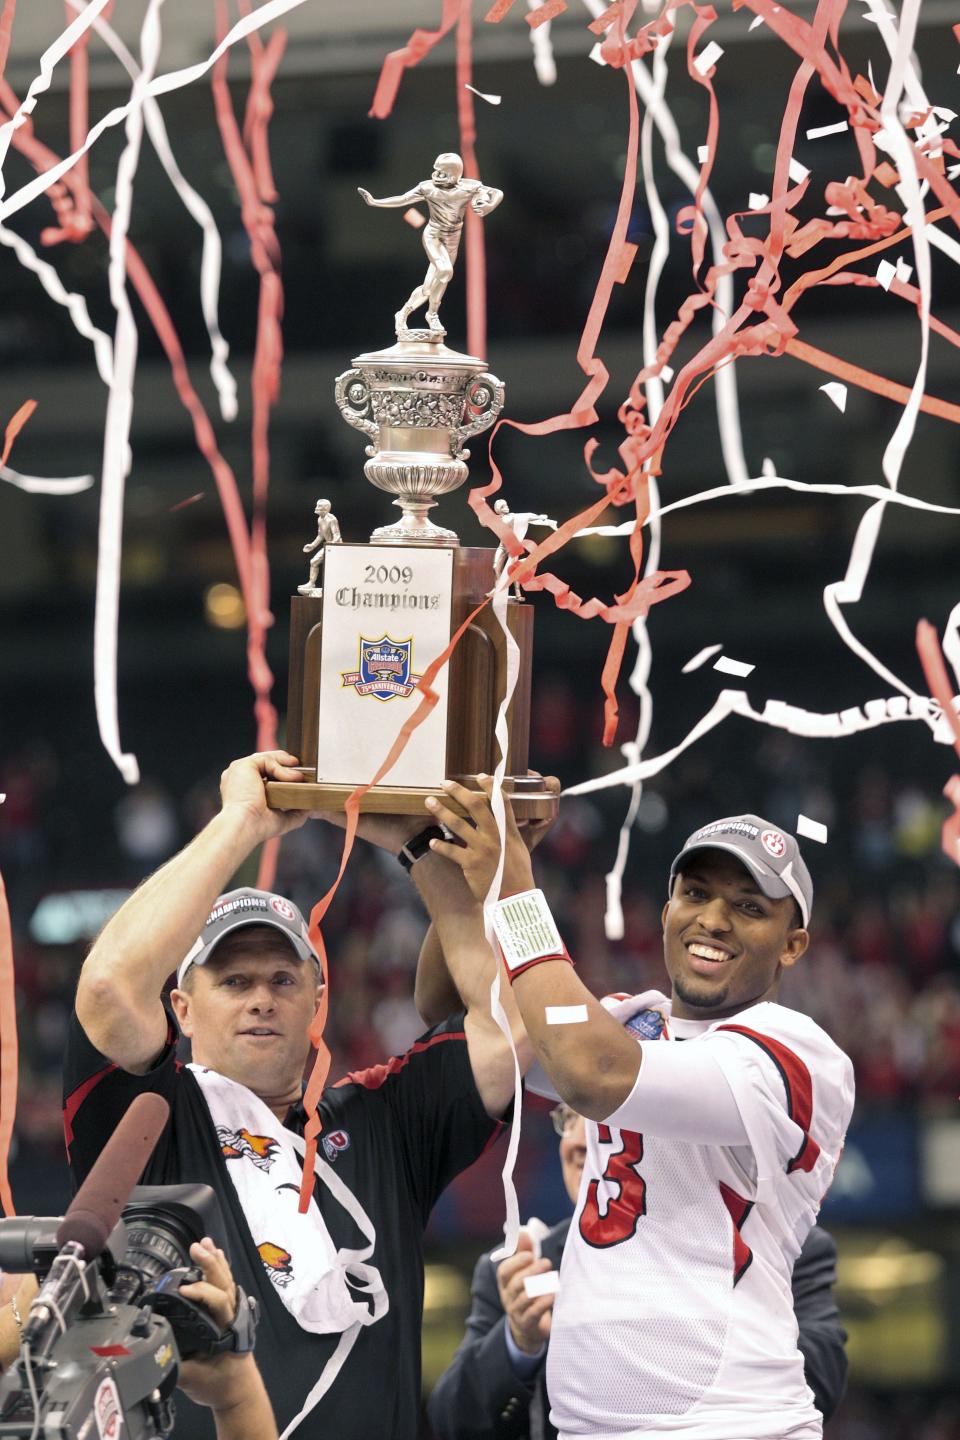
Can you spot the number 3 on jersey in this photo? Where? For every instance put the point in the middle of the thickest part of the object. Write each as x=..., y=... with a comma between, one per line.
x=626, y=1193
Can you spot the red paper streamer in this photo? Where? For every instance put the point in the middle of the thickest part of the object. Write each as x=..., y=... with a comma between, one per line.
x=14, y=426
x=421, y=42
x=498, y=11
x=9, y=1068
x=548, y=11
x=7, y=16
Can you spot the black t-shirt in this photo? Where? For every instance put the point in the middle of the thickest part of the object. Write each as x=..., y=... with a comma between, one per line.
x=403, y=1131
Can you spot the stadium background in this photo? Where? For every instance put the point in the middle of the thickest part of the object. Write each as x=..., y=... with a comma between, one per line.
x=882, y=973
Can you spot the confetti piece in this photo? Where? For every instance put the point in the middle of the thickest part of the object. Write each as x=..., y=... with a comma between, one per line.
x=726, y=666
x=819, y=131
x=497, y=11
x=707, y=58
x=701, y=658
x=757, y=20
x=811, y=829
x=604, y=21
x=14, y=426
x=904, y=271
x=490, y=99
x=549, y=11
x=536, y=1285
x=797, y=172
x=885, y=274
x=414, y=217
x=837, y=392
x=757, y=200
x=703, y=153
x=953, y=172
x=666, y=374
x=190, y=500
x=566, y=1014
x=596, y=55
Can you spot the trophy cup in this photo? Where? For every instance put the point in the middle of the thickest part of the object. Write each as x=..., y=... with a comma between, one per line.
x=361, y=639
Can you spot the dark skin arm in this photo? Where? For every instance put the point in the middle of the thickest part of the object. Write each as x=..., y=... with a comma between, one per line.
x=594, y=1065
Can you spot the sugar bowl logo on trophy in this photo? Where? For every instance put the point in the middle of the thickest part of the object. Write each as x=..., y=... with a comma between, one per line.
x=417, y=402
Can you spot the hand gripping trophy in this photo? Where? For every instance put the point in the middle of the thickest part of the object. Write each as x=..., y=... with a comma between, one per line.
x=328, y=533
x=446, y=195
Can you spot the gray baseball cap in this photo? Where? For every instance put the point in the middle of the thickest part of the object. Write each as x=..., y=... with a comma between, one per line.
x=770, y=854
x=249, y=907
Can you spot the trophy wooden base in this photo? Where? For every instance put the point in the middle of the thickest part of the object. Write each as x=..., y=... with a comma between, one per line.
x=528, y=795
x=476, y=685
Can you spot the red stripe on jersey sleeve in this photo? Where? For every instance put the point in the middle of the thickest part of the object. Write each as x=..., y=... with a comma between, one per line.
x=739, y=1209
x=799, y=1088
x=373, y=1078
x=76, y=1098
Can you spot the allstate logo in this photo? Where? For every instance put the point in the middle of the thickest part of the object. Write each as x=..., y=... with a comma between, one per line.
x=384, y=669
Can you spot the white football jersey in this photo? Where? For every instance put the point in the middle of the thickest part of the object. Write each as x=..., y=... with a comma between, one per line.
x=675, y=1310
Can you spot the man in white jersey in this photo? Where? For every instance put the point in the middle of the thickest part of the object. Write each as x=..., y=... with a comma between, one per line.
x=706, y=1161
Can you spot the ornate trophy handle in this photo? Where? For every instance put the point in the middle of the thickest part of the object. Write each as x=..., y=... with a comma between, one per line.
x=352, y=394
x=483, y=401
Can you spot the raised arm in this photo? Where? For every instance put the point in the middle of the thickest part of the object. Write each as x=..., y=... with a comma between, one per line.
x=118, y=997
x=410, y=197
x=593, y=1064
x=458, y=919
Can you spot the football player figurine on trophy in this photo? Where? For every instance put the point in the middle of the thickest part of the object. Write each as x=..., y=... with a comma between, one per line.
x=388, y=608
x=446, y=195
x=328, y=533
x=519, y=524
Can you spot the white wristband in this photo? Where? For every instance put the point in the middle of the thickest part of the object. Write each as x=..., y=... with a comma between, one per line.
x=525, y=929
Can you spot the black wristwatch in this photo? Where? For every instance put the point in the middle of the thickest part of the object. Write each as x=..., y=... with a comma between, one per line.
x=241, y=1333
x=416, y=848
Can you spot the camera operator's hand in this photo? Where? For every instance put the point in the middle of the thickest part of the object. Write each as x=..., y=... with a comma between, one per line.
x=230, y=1384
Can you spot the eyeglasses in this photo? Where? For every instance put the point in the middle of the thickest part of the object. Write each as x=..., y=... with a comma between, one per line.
x=563, y=1119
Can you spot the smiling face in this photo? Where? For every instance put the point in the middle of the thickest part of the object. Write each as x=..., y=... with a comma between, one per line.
x=247, y=1012
x=724, y=942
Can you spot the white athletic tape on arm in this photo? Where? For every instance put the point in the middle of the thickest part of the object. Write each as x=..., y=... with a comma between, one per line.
x=566, y=1014
x=536, y=1285
x=526, y=929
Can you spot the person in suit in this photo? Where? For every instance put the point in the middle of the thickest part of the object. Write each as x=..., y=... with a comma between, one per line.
x=495, y=1386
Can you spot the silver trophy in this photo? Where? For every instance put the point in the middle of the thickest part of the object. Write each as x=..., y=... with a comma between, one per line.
x=418, y=400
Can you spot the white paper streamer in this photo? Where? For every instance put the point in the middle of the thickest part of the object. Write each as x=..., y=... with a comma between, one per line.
x=490, y=99
x=836, y=391
x=701, y=658
x=116, y=451
x=73, y=303
x=38, y=485
x=544, y=63
x=161, y=85
x=819, y=131
x=49, y=60
x=812, y=829
x=212, y=252
x=727, y=666
x=498, y=605
x=546, y=1284
x=708, y=57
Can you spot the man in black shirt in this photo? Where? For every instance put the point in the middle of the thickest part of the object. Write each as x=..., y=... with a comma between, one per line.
x=394, y=1135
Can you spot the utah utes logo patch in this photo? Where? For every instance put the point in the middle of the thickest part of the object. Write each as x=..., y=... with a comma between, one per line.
x=774, y=843
x=335, y=1143
x=385, y=669
x=243, y=1144
x=278, y=1263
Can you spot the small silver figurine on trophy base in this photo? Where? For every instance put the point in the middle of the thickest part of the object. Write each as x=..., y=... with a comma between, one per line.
x=519, y=523
x=418, y=401
x=328, y=533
